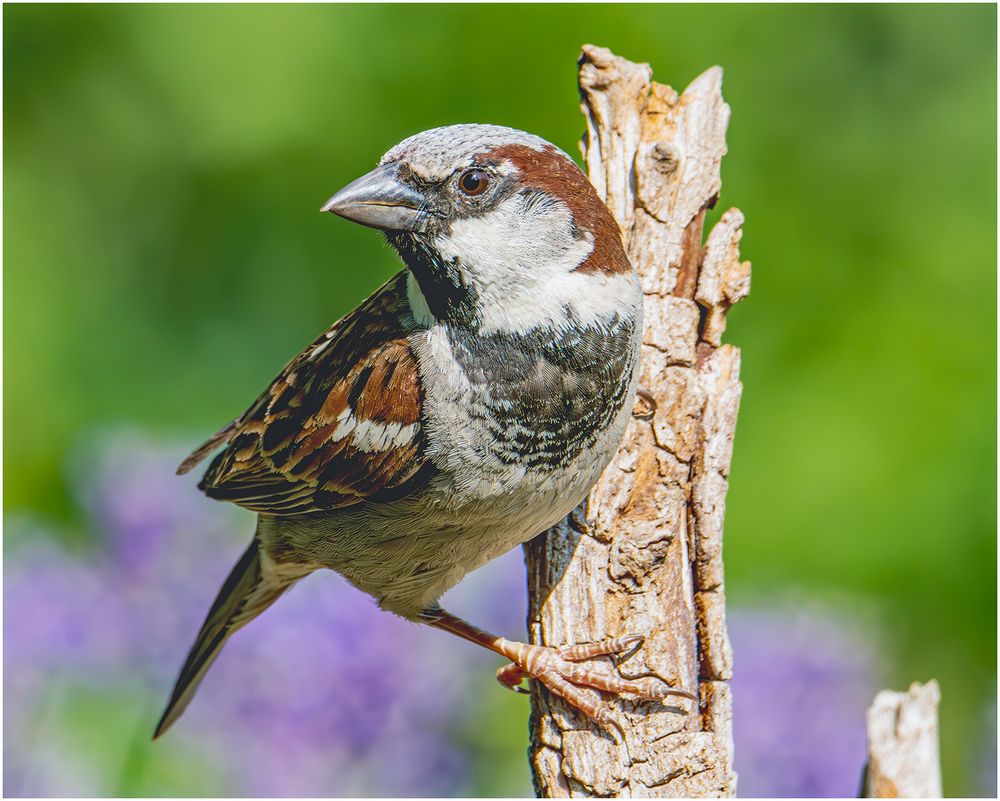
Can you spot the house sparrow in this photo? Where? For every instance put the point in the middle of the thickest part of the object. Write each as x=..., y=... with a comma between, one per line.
x=465, y=407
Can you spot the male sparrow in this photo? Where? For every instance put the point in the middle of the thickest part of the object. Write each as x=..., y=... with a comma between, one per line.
x=465, y=407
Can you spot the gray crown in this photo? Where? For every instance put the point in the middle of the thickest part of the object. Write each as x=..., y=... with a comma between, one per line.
x=437, y=153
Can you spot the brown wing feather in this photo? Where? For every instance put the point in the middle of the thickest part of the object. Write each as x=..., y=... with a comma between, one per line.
x=218, y=438
x=339, y=425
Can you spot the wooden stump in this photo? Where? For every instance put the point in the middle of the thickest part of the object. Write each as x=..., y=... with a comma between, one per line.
x=643, y=553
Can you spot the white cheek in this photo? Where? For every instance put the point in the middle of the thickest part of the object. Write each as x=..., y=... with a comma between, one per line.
x=513, y=247
x=522, y=263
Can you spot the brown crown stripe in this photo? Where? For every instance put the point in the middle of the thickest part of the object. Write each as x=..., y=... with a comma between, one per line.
x=552, y=172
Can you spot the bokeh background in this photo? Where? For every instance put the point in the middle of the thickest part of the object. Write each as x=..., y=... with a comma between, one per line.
x=164, y=258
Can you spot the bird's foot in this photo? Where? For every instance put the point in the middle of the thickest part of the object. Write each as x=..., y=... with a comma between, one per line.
x=559, y=670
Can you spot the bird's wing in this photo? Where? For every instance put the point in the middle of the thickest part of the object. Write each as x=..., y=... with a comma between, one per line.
x=339, y=425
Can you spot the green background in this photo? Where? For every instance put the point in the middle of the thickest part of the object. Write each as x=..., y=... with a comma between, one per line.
x=164, y=255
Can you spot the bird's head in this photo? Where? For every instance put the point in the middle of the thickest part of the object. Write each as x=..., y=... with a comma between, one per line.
x=500, y=229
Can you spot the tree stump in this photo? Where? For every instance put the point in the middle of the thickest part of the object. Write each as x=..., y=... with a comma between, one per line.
x=643, y=553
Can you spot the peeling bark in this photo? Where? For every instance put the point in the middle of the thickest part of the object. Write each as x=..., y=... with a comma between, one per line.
x=643, y=553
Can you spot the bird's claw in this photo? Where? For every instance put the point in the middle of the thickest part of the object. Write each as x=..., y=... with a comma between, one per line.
x=559, y=670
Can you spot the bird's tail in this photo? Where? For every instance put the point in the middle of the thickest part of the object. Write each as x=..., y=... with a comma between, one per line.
x=244, y=595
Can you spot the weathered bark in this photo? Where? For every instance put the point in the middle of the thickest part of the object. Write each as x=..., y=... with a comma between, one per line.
x=903, y=754
x=643, y=554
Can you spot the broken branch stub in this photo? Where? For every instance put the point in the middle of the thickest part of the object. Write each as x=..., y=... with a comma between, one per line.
x=903, y=752
x=643, y=553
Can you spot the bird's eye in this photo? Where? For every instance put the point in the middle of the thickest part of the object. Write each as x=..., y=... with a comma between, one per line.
x=473, y=182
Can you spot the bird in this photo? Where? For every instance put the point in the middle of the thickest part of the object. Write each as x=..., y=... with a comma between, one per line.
x=466, y=406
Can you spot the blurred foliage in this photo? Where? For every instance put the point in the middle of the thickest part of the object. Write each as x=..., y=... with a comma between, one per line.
x=164, y=256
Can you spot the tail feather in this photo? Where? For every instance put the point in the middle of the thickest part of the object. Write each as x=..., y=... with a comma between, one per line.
x=244, y=595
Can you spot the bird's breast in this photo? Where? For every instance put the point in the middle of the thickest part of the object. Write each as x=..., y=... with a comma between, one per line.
x=506, y=410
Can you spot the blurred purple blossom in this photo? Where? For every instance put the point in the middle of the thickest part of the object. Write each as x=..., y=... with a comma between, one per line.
x=325, y=694
x=310, y=699
x=803, y=680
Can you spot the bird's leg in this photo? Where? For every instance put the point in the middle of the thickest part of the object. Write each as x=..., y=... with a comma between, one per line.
x=558, y=669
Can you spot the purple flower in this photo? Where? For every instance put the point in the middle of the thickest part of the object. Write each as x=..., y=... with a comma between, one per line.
x=803, y=680
x=322, y=695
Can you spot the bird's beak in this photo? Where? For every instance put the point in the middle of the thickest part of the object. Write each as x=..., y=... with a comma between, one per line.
x=379, y=200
